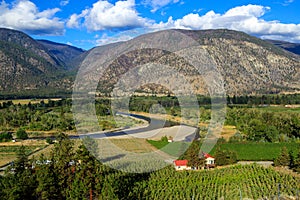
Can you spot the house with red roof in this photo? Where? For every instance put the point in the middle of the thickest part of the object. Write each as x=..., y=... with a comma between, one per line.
x=181, y=165
x=209, y=160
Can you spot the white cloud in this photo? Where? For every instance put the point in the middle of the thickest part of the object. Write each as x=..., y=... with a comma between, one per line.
x=287, y=2
x=157, y=4
x=24, y=15
x=243, y=18
x=105, y=39
x=106, y=16
x=122, y=15
x=75, y=20
x=64, y=2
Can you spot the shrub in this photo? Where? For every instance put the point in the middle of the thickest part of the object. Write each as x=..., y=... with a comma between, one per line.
x=21, y=134
x=225, y=157
x=283, y=159
x=4, y=137
x=49, y=141
x=164, y=139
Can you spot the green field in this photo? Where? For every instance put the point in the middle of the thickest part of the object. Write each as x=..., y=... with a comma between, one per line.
x=158, y=143
x=279, y=109
x=237, y=182
x=174, y=148
x=257, y=151
x=246, y=151
x=9, y=153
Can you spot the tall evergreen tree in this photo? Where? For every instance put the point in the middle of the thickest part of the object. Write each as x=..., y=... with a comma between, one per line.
x=84, y=184
x=283, y=159
x=23, y=181
x=296, y=164
x=47, y=179
x=63, y=156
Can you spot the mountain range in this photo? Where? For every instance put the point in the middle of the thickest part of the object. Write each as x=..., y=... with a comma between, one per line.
x=247, y=64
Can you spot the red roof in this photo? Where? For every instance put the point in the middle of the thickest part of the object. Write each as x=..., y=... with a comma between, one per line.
x=206, y=155
x=181, y=162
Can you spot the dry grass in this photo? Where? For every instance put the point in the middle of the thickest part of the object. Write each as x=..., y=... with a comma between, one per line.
x=8, y=153
x=135, y=145
x=24, y=142
x=27, y=101
x=9, y=149
x=228, y=131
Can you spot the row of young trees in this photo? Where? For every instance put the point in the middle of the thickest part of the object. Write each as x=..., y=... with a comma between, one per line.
x=264, y=99
x=288, y=159
x=37, y=117
x=70, y=173
x=261, y=125
x=44, y=116
x=196, y=158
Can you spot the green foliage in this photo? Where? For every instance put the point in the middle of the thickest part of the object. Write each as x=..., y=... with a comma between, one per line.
x=5, y=137
x=264, y=99
x=238, y=137
x=54, y=115
x=193, y=156
x=47, y=179
x=164, y=139
x=49, y=141
x=63, y=155
x=253, y=181
x=296, y=163
x=283, y=159
x=21, y=134
x=256, y=151
x=158, y=144
x=70, y=174
x=84, y=184
x=225, y=157
x=265, y=125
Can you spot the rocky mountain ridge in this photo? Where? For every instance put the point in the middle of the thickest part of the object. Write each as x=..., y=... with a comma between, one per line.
x=247, y=64
x=30, y=65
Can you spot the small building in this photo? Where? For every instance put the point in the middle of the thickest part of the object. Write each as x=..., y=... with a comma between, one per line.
x=170, y=139
x=209, y=161
x=181, y=165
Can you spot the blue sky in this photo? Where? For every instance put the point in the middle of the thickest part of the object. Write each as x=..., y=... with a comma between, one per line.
x=89, y=23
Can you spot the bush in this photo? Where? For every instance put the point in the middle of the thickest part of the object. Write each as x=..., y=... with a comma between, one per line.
x=283, y=159
x=49, y=141
x=5, y=137
x=225, y=157
x=21, y=134
x=164, y=139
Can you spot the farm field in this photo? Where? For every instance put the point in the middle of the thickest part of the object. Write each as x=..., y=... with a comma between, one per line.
x=8, y=150
x=253, y=151
x=135, y=145
x=27, y=101
x=236, y=182
x=246, y=151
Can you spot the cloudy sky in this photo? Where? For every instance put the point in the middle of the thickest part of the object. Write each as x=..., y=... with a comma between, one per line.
x=89, y=23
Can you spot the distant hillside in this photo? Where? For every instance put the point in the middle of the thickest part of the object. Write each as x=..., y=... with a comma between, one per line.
x=65, y=53
x=29, y=66
x=248, y=65
x=292, y=47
